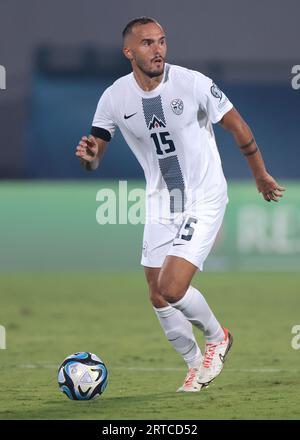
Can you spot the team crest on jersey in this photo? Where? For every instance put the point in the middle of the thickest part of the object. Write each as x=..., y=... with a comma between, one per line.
x=216, y=92
x=155, y=122
x=177, y=106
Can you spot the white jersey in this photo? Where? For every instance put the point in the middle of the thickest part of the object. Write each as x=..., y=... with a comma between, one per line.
x=169, y=130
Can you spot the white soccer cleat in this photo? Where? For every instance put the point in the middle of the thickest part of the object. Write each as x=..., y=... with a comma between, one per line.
x=214, y=358
x=190, y=384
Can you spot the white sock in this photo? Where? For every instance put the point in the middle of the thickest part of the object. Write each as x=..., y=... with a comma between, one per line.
x=179, y=332
x=195, y=308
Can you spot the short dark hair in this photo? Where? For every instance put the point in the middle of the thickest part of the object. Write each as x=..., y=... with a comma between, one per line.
x=139, y=20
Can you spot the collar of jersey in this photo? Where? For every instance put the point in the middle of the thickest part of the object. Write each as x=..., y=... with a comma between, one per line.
x=153, y=92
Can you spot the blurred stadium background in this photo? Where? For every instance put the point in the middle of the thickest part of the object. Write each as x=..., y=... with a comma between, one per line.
x=59, y=57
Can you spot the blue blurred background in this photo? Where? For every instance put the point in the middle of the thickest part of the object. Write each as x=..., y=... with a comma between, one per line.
x=61, y=55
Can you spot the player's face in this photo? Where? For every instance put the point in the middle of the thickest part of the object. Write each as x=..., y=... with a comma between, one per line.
x=146, y=48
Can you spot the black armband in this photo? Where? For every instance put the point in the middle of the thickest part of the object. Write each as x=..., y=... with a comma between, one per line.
x=246, y=145
x=251, y=152
x=101, y=133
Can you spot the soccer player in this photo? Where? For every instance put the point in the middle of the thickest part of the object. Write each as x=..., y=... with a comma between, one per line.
x=165, y=113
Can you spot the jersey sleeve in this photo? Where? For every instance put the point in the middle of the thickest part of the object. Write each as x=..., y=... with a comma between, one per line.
x=104, y=125
x=210, y=98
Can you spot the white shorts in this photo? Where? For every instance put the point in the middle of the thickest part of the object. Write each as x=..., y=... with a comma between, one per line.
x=190, y=237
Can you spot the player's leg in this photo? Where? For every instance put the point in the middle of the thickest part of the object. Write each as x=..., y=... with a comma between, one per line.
x=187, y=253
x=177, y=329
x=174, y=284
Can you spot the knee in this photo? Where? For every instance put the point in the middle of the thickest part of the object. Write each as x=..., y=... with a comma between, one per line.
x=156, y=298
x=170, y=289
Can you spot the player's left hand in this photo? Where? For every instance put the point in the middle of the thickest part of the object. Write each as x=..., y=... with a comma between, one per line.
x=269, y=188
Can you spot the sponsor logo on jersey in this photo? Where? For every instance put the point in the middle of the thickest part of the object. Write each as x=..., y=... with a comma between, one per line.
x=129, y=116
x=177, y=106
x=216, y=92
x=156, y=123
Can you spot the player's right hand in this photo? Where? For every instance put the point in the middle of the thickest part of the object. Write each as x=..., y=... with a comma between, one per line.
x=87, y=149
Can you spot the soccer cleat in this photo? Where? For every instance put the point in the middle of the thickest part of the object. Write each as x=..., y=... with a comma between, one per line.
x=214, y=358
x=190, y=384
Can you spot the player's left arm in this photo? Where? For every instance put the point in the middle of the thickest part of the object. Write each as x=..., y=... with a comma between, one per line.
x=266, y=184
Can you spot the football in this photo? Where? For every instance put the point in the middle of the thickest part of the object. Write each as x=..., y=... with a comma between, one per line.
x=82, y=376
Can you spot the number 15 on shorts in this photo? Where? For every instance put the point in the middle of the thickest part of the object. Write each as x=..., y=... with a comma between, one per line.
x=185, y=231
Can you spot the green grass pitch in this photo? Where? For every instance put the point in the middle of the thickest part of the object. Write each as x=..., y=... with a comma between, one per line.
x=49, y=316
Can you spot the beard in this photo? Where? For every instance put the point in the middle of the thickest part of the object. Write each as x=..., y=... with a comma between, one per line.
x=151, y=73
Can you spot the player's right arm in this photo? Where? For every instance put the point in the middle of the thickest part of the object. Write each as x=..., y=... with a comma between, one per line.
x=90, y=150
